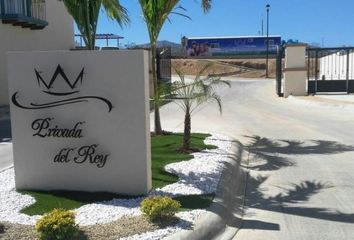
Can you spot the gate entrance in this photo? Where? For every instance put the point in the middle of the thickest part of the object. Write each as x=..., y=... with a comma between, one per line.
x=330, y=70
x=279, y=72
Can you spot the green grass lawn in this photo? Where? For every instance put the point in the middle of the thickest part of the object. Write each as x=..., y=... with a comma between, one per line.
x=164, y=150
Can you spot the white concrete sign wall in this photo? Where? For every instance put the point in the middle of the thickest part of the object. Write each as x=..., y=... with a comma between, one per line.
x=80, y=120
x=295, y=71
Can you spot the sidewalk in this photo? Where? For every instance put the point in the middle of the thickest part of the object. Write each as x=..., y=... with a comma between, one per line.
x=346, y=98
x=325, y=101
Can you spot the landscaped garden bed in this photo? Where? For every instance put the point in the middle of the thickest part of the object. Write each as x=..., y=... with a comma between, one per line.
x=189, y=178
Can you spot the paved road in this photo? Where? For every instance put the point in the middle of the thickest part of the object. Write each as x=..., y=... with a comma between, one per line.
x=301, y=161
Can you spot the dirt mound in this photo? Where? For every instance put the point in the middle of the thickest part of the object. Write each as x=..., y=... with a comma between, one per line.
x=243, y=68
x=193, y=67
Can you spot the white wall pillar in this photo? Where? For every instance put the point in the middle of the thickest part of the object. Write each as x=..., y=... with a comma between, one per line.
x=295, y=72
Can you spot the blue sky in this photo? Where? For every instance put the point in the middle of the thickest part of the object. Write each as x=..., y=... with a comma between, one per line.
x=306, y=20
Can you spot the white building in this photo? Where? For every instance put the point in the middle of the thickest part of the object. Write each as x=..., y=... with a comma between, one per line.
x=30, y=25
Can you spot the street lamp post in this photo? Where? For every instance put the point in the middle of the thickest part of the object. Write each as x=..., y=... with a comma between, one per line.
x=267, y=51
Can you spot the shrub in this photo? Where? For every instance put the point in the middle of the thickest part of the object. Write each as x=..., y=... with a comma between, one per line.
x=57, y=225
x=2, y=228
x=159, y=208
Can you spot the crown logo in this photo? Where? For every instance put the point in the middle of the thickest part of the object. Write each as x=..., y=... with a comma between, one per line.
x=59, y=72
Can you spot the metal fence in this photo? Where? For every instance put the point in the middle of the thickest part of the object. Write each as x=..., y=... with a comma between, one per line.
x=330, y=70
x=279, y=72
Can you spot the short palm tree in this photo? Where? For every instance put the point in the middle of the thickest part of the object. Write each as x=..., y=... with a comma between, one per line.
x=155, y=13
x=86, y=13
x=190, y=95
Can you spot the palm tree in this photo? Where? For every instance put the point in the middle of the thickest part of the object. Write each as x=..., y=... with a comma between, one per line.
x=155, y=13
x=190, y=95
x=206, y=5
x=86, y=13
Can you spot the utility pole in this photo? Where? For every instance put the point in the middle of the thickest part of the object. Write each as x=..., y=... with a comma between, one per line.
x=267, y=56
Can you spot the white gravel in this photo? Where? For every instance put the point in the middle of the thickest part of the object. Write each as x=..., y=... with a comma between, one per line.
x=11, y=202
x=187, y=221
x=199, y=175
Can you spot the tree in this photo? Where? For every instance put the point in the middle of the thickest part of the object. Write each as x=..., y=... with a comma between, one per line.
x=190, y=95
x=155, y=13
x=86, y=13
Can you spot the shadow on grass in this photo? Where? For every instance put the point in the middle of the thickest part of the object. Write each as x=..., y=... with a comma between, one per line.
x=68, y=200
x=47, y=201
x=82, y=235
x=171, y=221
x=191, y=202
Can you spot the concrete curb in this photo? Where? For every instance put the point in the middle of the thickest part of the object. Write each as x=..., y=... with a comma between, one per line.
x=224, y=217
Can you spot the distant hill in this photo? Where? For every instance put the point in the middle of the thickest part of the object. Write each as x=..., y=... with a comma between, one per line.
x=163, y=43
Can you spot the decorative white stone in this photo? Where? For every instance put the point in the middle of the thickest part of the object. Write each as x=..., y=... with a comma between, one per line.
x=199, y=175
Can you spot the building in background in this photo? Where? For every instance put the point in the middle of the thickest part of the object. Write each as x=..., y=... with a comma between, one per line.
x=229, y=46
x=336, y=65
x=30, y=25
x=110, y=41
